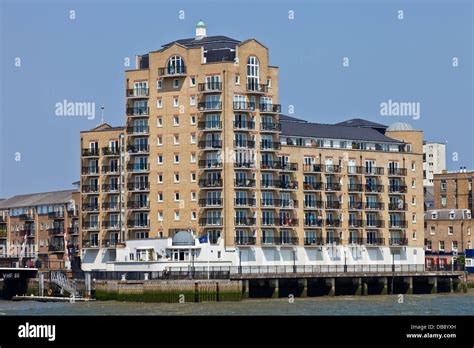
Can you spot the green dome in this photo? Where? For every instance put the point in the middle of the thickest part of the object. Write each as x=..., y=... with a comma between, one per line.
x=200, y=24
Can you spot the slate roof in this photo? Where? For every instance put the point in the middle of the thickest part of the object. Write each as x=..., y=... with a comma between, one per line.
x=35, y=199
x=359, y=122
x=333, y=131
x=443, y=214
x=291, y=119
x=209, y=42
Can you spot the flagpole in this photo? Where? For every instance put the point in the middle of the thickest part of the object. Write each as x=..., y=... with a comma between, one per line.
x=208, y=255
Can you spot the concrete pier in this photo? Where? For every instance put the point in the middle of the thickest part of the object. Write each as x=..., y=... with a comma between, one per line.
x=409, y=280
x=360, y=289
x=303, y=283
x=276, y=288
x=245, y=288
x=384, y=281
x=434, y=281
x=332, y=283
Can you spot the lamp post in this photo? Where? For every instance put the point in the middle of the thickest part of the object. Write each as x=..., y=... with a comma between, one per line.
x=294, y=260
x=345, y=261
x=240, y=261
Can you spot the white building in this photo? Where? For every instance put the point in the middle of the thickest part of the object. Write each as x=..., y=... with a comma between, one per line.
x=434, y=161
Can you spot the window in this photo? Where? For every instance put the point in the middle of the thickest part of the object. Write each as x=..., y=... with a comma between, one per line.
x=176, y=158
x=160, y=197
x=450, y=230
x=176, y=120
x=160, y=178
x=175, y=83
x=160, y=215
x=413, y=183
x=193, y=196
x=159, y=84
x=192, y=81
x=443, y=185
x=193, y=119
x=237, y=79
x=176, y=177
x=193, y=177
x=193, y=138
x=413, y=218
x=159, y=121
x=413, y=235
x=269, y=82
x=176, y=215
x=159, y=103
x=428, y=245
x=176, y=196
x=441, y=245
x=160, y=159
x=413, y=200
x=159, y=140
x=434, y=215
x=175, y=102
x=193, y=215
x=454, y=245
x=432, y=230
x=176, y=139
x=192, y=100
x=193, y=157
x=452, y=215
x=413, y=166
x=253, y=73
x=443, y=201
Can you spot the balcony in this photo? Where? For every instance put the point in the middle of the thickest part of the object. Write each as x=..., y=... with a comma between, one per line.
x=56, y=247
x=210, y=164
x=138, y=167
x=331, y=169
x=353, y=223
x=270, y=108
x=270, y=127
x=210, y=221
x=397, y=189
x=245, y=144
x=141, y=224
x=210, y=125
x=282, y=222
x=279, y=203
x=279, y=166
x=398, y=224
x=138, y=93
x=110, y=225
x=110, y=206
x=355, y=170
x=138, y=205
x=373, y=188
x=90, y=171
x=90, y=243
x=244, y=165
x=373, y=241
x=110, y=151
x=354, y=205
x=244, y=106
x=373, y=171
x=28, y=231
x=73, y=230
x=374, y=206
x=86, y=207
x=356, y=240
x=210, y=87
x=210, y=106
x=332, y=223
x=244, y=183
x=244, y=221
x=138, y=186
x=56, y=215
x=312, y=186
x=397, y=206
x=333, y=205
x=138, y=149
x=210, y=183
x=270, y=146
x=244, y=125
x=172, y=71
x=114, y=170
x=210, y=202
x=138, y=130
x=56, y=230
x=397, y=241
x=313, y=221
x=355, y=187
x=333, y=186
x=27, y=217
x=374, y=224
x=313, y=204
x=397, y=171
x=279, y=240
x=244, y=240
x=109, y=243
x=110, y=188
x=90, y=152
x=256, y=88
x=3, y=233
x=90, y=225
x=308, y=241
x=210, y=144
x=244, y=202
x=312, y=168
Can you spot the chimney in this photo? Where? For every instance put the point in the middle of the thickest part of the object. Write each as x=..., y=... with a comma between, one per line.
x=200, y=30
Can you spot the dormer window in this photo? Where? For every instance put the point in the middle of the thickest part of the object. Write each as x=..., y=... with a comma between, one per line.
x=253, y=73
x=452, y=215
x=434, y=215
x=175, y=66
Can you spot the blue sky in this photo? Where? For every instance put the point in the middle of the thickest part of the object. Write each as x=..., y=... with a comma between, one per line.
x=407, y=60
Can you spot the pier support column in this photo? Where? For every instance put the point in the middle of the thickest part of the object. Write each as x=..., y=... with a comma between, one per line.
x=332, y=283
x=245, y=288
x=276, y=290
x=304, y=284
x=88, y=284
x=365, y=288
x=410, y=285
x=434, y=281
x=451, y=287
x=384, y=281
x=41, y=284
x=360, y=289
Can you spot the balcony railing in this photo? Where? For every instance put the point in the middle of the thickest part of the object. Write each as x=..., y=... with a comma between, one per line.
x=138, y=148
x=373, y=170
x=90, y=152
x=138, y=186
x=374, y=205
x=244, y=240
x=279, y=166
x=333, y=186
x=397, y=206
x=210, y=125
x=332, y=223
x=110, y=188
x=245, y=202
x=397, y=189
x=244, y=106
x=110, y=169
x=110, y=243
x=90, y=206
x=247, y=165
x=312, y=168
x=315, y=186
x=247, y=183
x=313, y=221
x=90, y=170
x=355, y=187
x=137, y=92
x=210, y=164
x=90, y=225
x=27, y=217
x=210, y=144
x=313, y=241
x=270, y=126
x=373, y=188
x=374, y=241
x=111, y=225
x=270, y=145
x=210, y=202
x=138, y=130
x=56, y=230
x=356, y=205
x=110, y=151
x=110, y=205
x=398, y=241
x=398, y=224
x=331, y=168
x=90, y=243
x=56, y=214
x=210, y=222
x=249, y=125
x=210, y=183
x=56, y=247
x=273, y=108
x=397, y=171
x=355, y=170
x=138, y=111
x=138, y=223
x=138, y=204
x=178, y=70
x=210, y=106
x=256, y=88
x=73, y=230
x=313, y=204
x=210, y=87
x=356, y=240
x=286, y=222
x=248, y=144
x=333, y=205
x=279, y=240
x=374, y=224
x=279, y=203
x=245, y=221
x=355, y=223
x=138, y=167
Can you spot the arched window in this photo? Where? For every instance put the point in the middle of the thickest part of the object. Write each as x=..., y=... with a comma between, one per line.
x=253, y=73
x=175, y=66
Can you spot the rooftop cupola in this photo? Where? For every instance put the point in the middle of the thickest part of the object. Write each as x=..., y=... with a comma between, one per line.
x=200, y=30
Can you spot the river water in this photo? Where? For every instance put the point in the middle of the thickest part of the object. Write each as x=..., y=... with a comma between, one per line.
x=440, y=304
